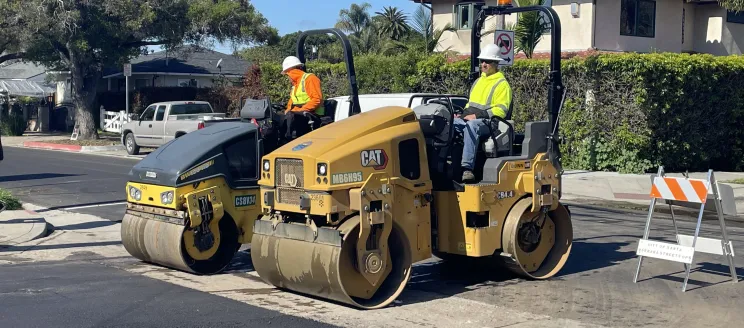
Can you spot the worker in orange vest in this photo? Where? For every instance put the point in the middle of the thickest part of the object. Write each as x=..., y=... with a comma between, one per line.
x=305, y=96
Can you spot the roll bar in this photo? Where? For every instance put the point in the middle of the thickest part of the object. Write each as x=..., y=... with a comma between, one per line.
x=348, y=58
x=556, y=89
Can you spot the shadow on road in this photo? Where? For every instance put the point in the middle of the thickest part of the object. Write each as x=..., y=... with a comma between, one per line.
x=590, y=256
x=86, y=225
x=241, y=263
x=58, y=246
x=716, y=269
x=35, y=176
x=63, y=207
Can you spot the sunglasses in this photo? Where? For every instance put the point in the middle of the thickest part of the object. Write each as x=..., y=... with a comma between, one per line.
x=489, y=62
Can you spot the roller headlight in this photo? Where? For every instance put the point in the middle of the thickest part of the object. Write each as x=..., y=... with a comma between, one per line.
x=135, y=193
x=166, y=197
x=266, y=165
x=322, y=169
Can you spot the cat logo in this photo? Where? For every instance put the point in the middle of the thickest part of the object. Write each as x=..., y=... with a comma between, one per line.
x=290, y=179
x=375, y=158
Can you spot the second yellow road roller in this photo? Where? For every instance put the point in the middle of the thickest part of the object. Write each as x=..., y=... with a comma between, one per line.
x=191, y=203
x=348, y=209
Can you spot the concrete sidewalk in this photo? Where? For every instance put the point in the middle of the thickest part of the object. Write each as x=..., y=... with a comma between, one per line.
x=17, y=227
x=631, y=191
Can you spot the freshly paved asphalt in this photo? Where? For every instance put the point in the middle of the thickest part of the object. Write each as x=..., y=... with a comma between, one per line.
x=88, y=294
x=61, y=180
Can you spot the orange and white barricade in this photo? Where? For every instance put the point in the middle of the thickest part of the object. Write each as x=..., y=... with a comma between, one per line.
x=687, y=192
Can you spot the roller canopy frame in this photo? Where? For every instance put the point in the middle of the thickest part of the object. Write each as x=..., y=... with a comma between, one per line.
x=555, y=83
x=348, y=58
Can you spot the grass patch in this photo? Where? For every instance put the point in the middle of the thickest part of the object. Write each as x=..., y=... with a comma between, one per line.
x=11, y=203
x=735, y=181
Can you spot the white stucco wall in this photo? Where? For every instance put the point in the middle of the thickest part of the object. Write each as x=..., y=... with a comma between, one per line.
x=714, y=35
x=668, y=28
x=576, y=32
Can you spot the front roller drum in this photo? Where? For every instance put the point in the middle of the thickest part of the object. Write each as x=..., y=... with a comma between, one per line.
x=538, y=245
x=289, y=257
x=163, y=243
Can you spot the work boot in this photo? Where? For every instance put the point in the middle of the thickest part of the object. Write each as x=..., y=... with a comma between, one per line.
x=467, y=176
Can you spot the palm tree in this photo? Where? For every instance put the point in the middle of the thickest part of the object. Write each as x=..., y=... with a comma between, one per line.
x=393, y=23
x=529, y=28
x=423, y=25
x=355, y=19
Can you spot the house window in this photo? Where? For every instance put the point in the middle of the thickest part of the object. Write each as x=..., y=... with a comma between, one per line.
x=638, y=18
x=465, y=15
x=732, y=17
x=187, y=83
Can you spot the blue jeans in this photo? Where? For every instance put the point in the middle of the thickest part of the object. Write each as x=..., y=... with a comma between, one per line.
x=475, y=129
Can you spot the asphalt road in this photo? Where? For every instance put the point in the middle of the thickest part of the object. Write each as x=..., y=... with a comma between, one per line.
x=86, y=294
x=82, y=183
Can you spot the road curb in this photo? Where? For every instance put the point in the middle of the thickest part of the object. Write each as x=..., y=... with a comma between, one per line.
x=682, y=213
x=20, y=226
x=71, y=148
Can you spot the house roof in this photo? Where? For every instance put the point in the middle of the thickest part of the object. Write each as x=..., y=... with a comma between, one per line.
x=189, y=60
x=21, y=71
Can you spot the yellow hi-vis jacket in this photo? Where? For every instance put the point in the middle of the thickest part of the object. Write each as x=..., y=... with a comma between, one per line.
x=300, y=97
x=491, y=94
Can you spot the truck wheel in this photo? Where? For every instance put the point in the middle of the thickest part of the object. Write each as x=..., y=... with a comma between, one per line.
x=132, y=148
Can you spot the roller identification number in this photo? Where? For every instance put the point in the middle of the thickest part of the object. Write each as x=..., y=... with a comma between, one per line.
x=245, y=200
x=349, y=177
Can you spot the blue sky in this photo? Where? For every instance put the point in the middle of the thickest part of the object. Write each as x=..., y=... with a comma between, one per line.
x=290, y=16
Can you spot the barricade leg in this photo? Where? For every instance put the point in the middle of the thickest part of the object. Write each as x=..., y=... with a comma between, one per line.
x=728, y=248
x=648, y=227
x=676, y=231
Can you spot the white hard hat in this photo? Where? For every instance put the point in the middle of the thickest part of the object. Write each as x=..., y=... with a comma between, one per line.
x=290, y=62
x=491, y=52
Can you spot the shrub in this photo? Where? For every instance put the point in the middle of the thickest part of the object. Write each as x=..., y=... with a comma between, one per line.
x=13, y=124
x=11, y=203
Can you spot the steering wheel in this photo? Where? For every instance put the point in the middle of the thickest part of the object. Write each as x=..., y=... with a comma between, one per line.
x=455, y=108
x=510, y=128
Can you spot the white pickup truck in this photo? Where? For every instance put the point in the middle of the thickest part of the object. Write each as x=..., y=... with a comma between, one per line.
x=164, y=121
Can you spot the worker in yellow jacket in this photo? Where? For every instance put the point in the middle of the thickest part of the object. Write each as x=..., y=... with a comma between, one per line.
x=305, y=96
x=490, y=96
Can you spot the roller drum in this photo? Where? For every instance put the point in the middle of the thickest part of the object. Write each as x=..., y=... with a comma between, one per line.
x=161, y=243
x=547, y=257
x=325, y=267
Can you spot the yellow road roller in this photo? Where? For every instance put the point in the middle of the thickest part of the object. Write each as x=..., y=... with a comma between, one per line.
x=191, y=203
x=348, y=209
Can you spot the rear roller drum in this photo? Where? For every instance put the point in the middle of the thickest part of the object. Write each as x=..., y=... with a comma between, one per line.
x=539, y=244
x=207, y=250
x=330, y=271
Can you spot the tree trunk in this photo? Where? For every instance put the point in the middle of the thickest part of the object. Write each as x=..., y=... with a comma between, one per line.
x=84, y=86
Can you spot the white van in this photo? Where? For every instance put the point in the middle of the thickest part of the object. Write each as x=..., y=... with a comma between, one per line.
x=369, y=102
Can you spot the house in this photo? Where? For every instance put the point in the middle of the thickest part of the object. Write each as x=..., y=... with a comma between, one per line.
x=692, y=26
x=189, y=67
x=27, y=79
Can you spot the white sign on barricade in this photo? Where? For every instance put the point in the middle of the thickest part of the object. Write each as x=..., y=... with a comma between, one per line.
x=685, y=191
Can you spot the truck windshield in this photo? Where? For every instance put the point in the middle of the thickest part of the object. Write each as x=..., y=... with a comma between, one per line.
x=187, y=109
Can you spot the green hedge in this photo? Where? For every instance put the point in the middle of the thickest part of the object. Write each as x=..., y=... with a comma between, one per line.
x=623, y=112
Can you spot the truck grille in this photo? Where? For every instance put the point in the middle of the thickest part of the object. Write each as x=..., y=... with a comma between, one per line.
x=289, y=196
x=289, y=173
